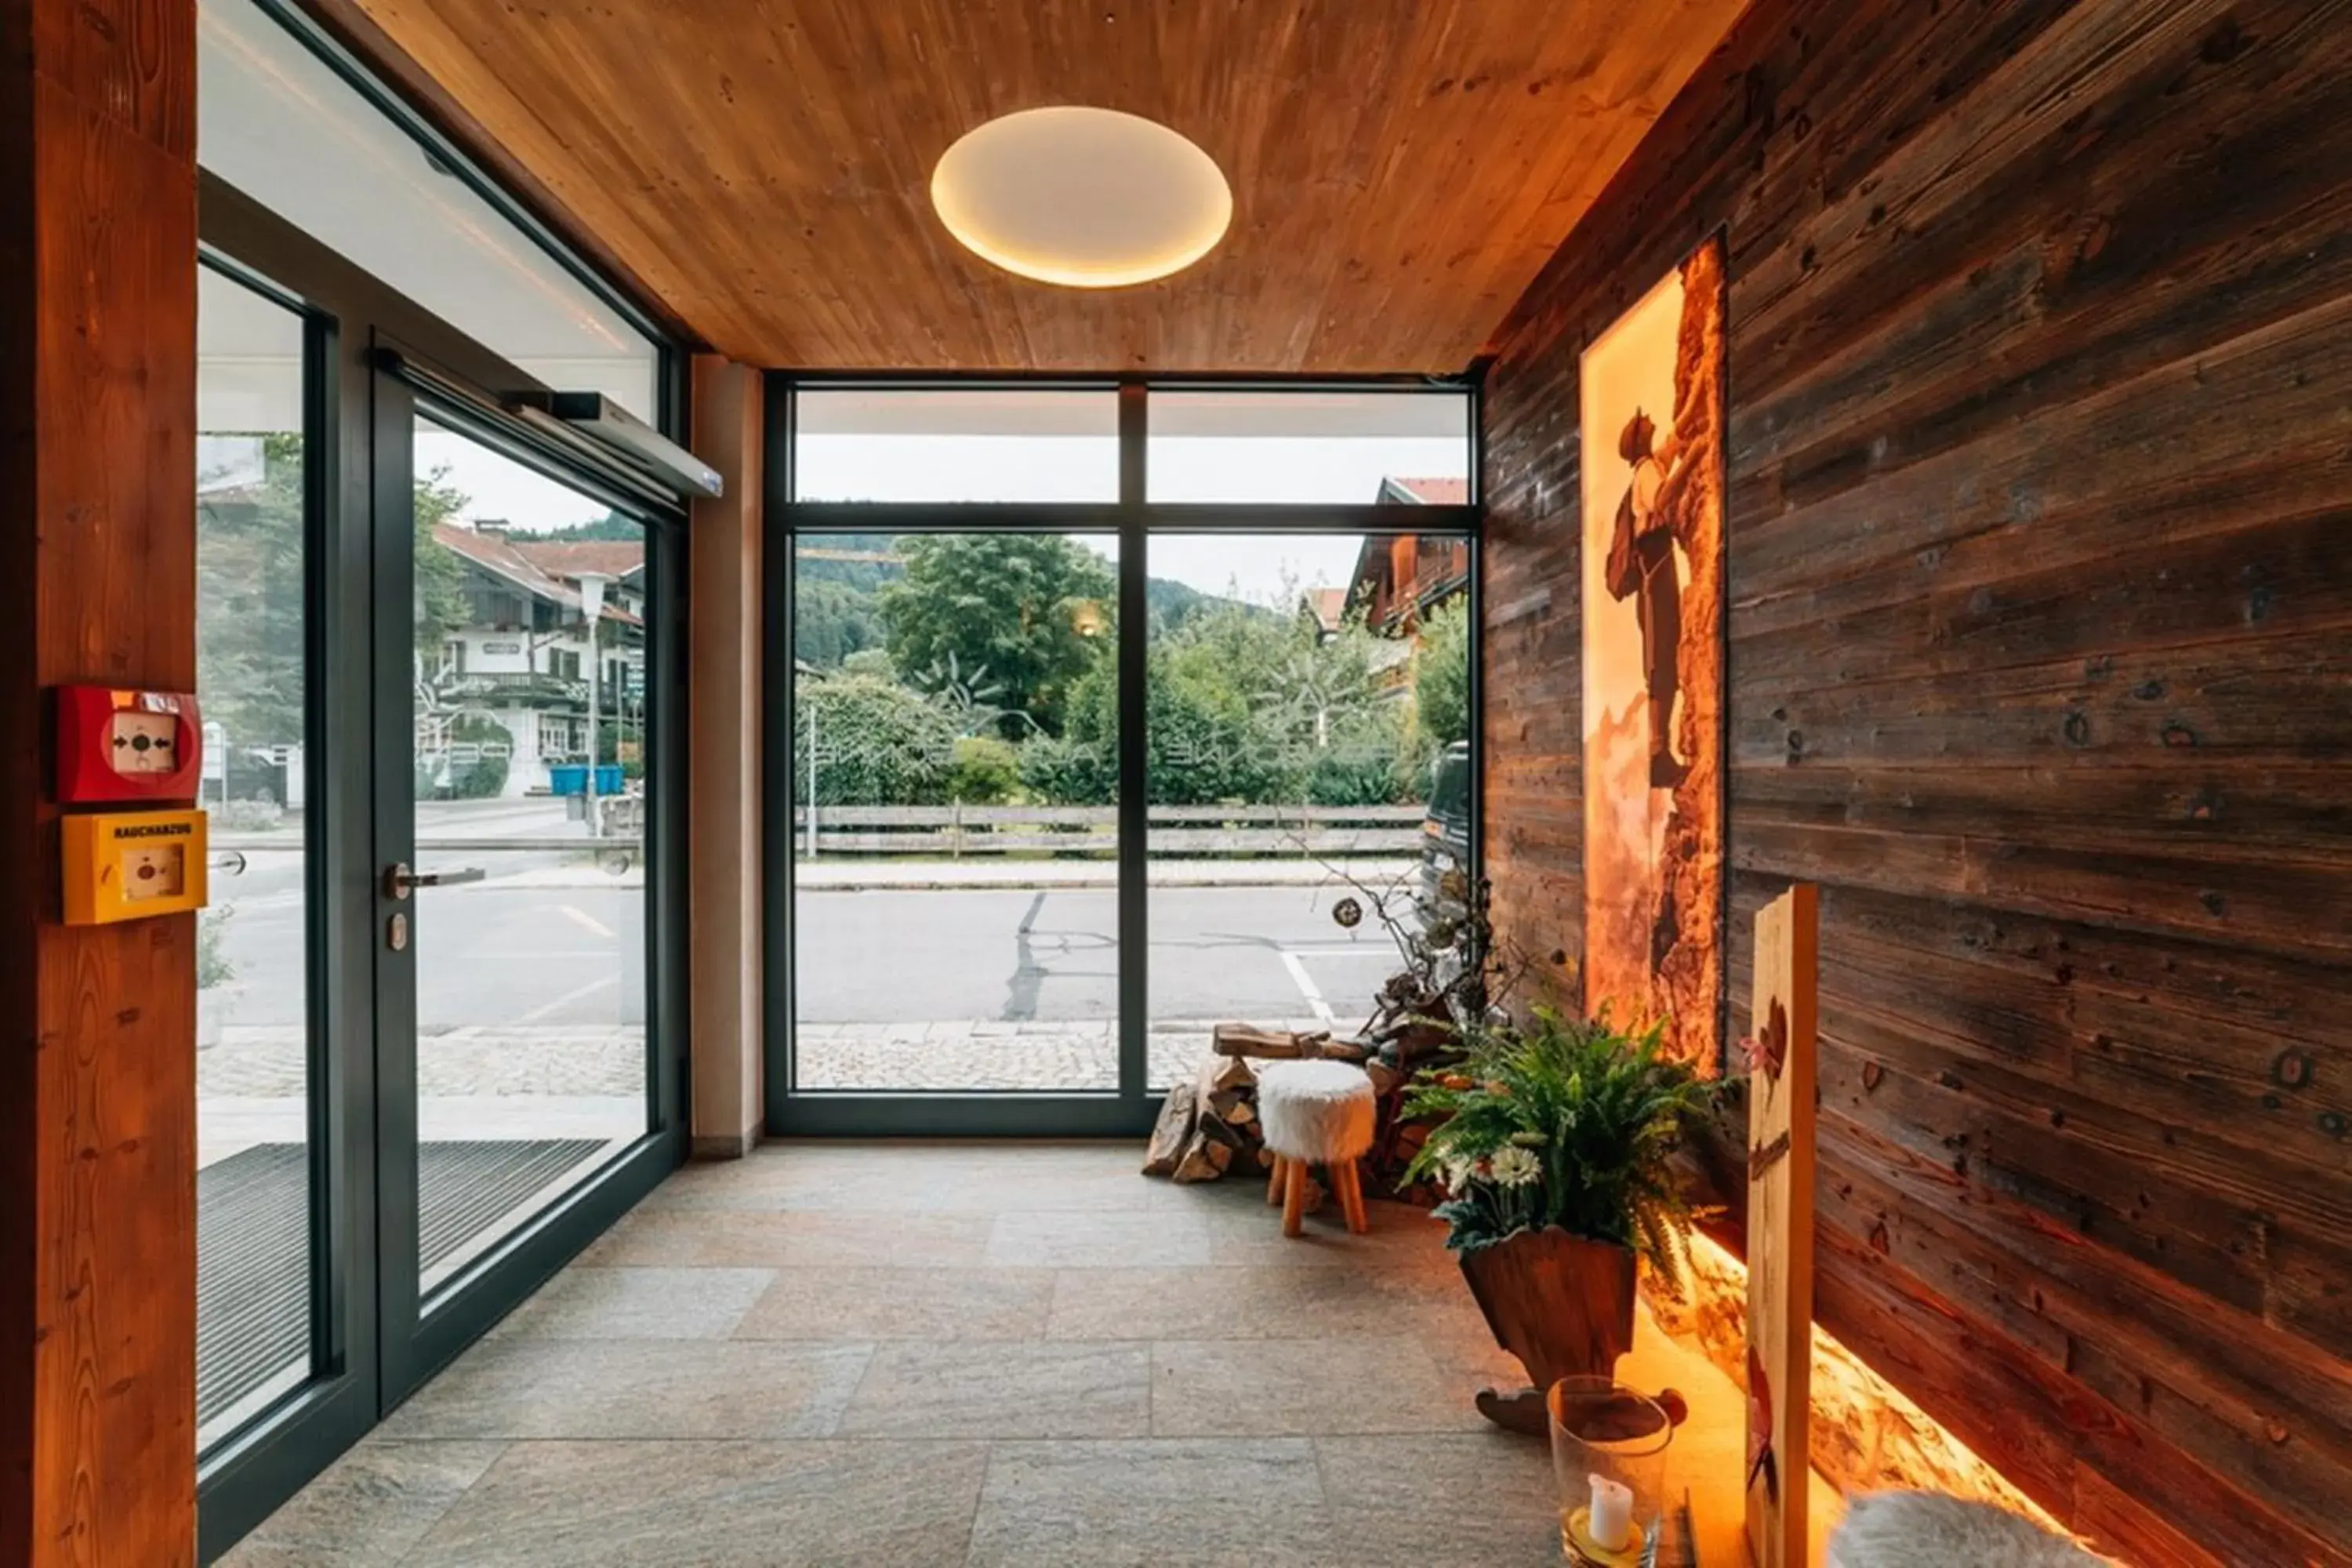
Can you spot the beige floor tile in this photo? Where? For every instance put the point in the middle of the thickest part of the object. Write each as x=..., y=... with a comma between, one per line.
x=648, y=1237
x=796, y=1238
x=1201, y=1503
x=591, y=1304
x=1027, y=1354
x=1083, y=1240
x=369, y=1508
x=1400, y=1501
x=642, y=1388
x=1212, y=1303
x=1027, y=1390
x=914, y=1178
x=716, y=1505
x=888, y=1240
x=1402, y=1236
x=927, y=1304
x=1301, y=1388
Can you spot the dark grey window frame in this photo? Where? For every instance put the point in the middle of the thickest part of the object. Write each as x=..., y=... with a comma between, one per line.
x=1134, y=521
x=373, y=1342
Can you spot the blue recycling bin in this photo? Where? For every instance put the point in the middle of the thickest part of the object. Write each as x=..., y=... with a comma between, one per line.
x=568, y=778
x=608, y=778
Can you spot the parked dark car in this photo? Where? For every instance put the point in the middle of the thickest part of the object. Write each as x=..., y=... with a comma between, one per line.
x=1445, y=835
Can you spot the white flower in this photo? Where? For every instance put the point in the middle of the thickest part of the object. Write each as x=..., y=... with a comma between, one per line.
x=1457, y=1174
x=1516, y=1167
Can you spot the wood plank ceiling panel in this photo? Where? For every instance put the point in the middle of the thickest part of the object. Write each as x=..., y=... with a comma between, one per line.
x=1400, y=168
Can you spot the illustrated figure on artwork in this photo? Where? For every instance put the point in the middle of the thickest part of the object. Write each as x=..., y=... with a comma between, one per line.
x=1640, y=567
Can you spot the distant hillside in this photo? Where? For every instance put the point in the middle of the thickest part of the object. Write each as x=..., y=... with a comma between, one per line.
x=1172, y=603
x=611, y=526
x=860, y=561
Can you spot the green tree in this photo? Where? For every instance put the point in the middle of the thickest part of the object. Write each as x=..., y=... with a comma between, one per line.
x=1033, y=610
x=1441, y=674
x=440, y=592
x=251, y=641
x=250, y=603
x=832, y=621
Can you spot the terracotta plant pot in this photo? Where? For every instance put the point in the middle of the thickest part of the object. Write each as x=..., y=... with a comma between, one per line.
x=1563, y=1305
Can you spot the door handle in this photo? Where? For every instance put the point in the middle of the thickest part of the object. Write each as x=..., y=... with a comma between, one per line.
x=399, y=882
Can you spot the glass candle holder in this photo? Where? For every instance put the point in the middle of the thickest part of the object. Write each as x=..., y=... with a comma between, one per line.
x=1609, y=1454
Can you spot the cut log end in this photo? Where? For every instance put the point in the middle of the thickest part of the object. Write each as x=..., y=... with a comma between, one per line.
x=1205, y=1160
x=1173, y=1132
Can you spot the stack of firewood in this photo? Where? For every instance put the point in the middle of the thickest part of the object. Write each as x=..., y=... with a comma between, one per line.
x=1208, y=1128
x=1209, y=1125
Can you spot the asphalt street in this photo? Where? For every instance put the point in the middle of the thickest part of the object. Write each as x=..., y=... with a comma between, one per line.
x=551, y=938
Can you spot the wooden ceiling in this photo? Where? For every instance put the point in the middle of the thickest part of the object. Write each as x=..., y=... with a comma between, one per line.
x=1400, y=168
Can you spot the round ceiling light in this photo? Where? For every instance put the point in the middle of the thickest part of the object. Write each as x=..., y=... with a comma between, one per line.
x=1088, y=198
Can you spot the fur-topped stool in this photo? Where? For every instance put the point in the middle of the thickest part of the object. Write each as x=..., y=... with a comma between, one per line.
x=1316, y=1113
x=1923, y=1529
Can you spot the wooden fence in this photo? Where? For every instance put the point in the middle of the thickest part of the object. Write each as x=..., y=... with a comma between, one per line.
x=954, y=831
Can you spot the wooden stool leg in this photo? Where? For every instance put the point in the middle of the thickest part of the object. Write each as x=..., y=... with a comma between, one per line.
x=1274, y=1183
x=1348, y=1178
x=1294, y=1196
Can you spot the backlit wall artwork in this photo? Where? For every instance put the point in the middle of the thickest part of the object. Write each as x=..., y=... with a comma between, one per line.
x=1652, y=425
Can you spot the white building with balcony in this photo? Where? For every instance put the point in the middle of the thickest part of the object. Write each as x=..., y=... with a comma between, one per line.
x=517, y=654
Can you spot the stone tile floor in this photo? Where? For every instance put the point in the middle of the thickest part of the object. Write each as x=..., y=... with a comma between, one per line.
x=962, y=1353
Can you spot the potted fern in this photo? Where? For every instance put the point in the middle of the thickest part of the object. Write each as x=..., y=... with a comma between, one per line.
x=1556, y=1143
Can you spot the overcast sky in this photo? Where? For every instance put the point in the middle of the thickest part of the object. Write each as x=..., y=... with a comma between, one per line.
x=1263, y=569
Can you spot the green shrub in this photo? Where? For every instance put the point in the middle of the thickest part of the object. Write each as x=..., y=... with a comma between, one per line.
x=623, y=744
x=878, y=743
x=1060, y=770
x=1358, y=768
x=213, y=967
x=482, y=778
x=986, y=771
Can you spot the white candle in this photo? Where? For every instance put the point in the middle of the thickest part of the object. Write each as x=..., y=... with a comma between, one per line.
x=1612, y=1519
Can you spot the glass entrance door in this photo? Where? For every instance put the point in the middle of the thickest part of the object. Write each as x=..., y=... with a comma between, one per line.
x=515, y=702
x=439, y=1048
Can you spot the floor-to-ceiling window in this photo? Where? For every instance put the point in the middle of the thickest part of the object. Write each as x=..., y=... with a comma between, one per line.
x=1088, y=706
x=440, y=1045
x=255, y=953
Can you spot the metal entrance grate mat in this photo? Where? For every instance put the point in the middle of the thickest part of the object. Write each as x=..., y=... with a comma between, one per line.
x=253, y=1243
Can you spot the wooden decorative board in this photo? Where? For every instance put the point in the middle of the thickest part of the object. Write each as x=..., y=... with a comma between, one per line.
x=1781, y=1105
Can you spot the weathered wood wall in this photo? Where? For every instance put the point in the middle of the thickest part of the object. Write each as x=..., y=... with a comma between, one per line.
x=2041, y=585
x=98, y=1105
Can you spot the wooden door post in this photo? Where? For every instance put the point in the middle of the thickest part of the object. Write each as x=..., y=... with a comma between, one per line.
x=98, y=1113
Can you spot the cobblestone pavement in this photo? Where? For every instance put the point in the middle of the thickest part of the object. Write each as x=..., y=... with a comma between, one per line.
x=263, y=1062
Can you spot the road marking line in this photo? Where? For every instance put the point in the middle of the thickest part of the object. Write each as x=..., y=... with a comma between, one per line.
x=544, y=1008
x=585, y=921
x=1306, y=987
